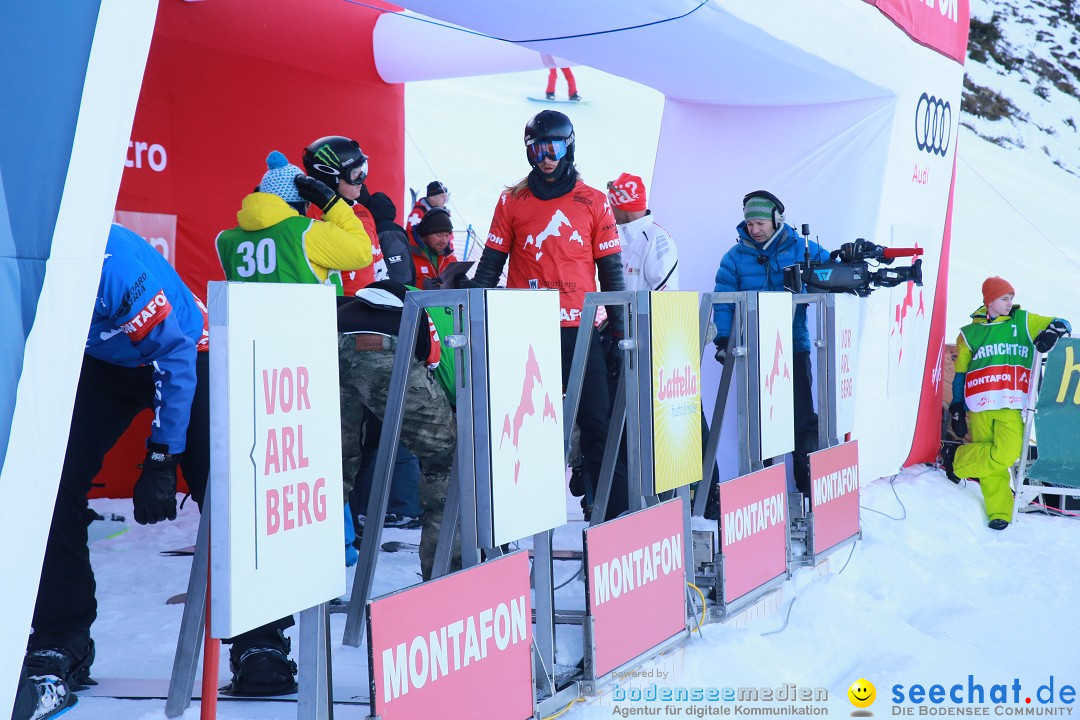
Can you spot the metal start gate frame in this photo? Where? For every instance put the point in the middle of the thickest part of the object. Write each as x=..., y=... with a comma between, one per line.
x=469, y=501
x=742, y=353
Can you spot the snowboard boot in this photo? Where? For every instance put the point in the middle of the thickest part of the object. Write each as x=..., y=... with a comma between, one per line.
x=261, y=666
x=54, y=697
x=948, y=452
x=575, y=98
x=402, y=522
x=549, y=96
x=56, y=660
x=998, y=524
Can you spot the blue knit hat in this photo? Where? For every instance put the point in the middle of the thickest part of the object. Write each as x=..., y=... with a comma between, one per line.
x=278, y=179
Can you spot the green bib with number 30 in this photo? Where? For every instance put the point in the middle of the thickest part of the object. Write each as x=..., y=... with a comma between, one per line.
x=271, y=255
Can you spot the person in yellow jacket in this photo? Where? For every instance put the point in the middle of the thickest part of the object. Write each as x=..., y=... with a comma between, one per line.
x=994, y=357
x=275, y=242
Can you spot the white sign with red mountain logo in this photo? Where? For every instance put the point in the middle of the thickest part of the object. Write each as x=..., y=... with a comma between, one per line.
x=528, y=478
x=776, y=388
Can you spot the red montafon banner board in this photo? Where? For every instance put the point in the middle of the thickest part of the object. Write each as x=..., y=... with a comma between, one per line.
x=753, y=530
x=834, y=481
x=635, y=579
x=458, y=647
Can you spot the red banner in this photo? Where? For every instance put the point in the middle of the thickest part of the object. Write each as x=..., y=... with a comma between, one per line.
x=635, y=583
x=459, y=646
x=219, y=93
x=753, y=530
x=834, y=491
x=927, y=437
x=938, y=24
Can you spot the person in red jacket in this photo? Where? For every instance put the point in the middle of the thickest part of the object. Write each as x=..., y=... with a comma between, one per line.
x=339, y=162
x=434, y=250
x=437, y=196
x=559, y=233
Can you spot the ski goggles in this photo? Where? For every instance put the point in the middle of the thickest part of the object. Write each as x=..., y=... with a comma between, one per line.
x=554, y=149
x=356, y=175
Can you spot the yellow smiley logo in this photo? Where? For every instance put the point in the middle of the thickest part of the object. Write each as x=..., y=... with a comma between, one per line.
x=862, y=693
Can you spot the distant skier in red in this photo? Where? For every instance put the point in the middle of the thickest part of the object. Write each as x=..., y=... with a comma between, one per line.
x=571, y=84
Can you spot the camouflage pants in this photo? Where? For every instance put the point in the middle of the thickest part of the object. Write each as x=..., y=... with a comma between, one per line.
x=428, y=428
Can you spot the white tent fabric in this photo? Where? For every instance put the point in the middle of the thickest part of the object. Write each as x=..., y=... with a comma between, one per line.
x=409, y=47
x=783, y=96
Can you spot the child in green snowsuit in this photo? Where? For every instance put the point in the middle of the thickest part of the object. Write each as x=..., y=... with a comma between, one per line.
x=994, y=356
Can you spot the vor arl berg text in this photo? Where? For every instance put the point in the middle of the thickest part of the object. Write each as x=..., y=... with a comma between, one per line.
x=294, y=504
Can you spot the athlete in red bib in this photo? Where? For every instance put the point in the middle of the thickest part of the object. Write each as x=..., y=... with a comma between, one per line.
x=558, y=233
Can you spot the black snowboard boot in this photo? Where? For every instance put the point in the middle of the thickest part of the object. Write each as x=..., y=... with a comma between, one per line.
x=998, y=524
x=948, y=452
x=71, y=666
x=261, y=665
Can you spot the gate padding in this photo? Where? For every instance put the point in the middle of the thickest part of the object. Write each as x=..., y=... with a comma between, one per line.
x=1058, y=417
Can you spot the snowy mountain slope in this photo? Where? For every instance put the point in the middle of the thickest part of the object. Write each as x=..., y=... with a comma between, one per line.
x=1016, y=212
x=1022, y=87
x=1016, y=215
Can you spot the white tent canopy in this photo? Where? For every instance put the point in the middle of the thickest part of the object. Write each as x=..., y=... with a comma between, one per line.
x=815, y=102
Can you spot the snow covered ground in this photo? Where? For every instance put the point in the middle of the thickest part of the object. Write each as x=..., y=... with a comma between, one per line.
x=928, y=598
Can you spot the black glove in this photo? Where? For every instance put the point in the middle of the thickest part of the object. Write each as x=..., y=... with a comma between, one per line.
x=958, y=418
x=315, y=191
x=847, y=252
x=154, y=496
x=721, y=350
x=1045, y=341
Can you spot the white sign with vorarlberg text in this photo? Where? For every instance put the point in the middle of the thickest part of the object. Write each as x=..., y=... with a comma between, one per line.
x=277, y=521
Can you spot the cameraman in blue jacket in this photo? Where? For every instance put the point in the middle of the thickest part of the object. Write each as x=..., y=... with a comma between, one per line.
x=765, y=246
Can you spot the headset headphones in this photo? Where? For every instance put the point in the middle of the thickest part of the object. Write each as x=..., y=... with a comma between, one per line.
x=778, y=207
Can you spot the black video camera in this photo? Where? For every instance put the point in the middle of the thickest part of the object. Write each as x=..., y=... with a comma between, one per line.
x=852, y=273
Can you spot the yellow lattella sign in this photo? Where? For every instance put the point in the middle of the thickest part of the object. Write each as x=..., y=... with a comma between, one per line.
x=676, y=389
x=1071, y=366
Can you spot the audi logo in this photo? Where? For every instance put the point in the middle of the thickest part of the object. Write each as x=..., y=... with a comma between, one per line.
x=933, y=124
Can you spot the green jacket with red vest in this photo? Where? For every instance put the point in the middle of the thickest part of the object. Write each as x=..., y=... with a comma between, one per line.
x=994, y=358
